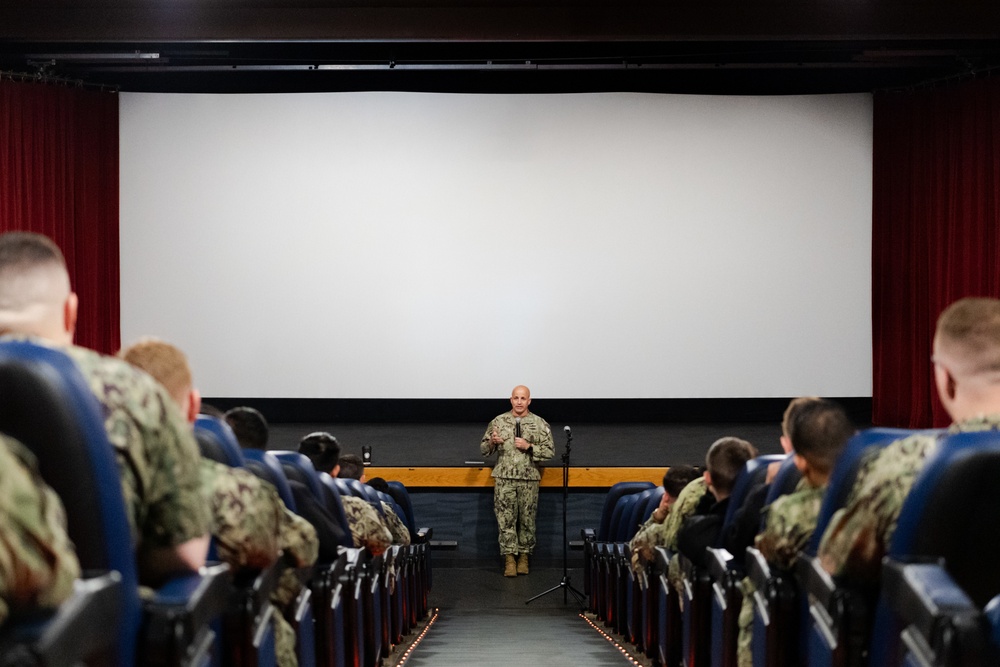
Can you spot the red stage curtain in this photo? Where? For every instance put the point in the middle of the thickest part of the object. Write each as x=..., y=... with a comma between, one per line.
x=59, y=177
x=935, y=228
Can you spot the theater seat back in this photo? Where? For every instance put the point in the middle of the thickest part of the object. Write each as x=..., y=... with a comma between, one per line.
x=48, y=406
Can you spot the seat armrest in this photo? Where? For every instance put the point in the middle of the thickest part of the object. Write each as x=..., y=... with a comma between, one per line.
x=758, y=568
x=78, y=628
x=931, y=605
x=661, y=559
x=183, y=608
x=816, y=582
x=588, y=534
x=720, y=562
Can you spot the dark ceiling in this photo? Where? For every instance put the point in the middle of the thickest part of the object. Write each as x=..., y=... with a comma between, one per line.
x=705, y=46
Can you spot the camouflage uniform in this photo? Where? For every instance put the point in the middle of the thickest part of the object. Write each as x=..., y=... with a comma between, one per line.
x=244, y=517
x=37, y=561
x=685, y=505
x=516, y=475
x=789, y=524
x=400, y=533
x=367, y=528
x=649, y=536
x=859, y=533
x=157, y=455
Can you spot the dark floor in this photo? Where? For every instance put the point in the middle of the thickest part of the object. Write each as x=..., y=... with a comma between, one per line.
x=483, y=619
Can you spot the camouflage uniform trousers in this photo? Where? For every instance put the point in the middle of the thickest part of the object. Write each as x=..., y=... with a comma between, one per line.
x=515, y=502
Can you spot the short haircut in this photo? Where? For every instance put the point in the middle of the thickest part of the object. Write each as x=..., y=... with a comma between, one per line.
x=379, y=484
x=351, y=466
x=725, y=459
x=969, y=329
x=21, y=253
x=819, y=431
x=677, y=477
x=322, y=449
x=249, y=426
x=794, y=406
x=165, y=362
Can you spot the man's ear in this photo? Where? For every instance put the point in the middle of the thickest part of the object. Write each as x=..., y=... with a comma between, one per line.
x=70, y=309
x=800, y=463
x=786, y=444
x=947, y=386
x=193, y=405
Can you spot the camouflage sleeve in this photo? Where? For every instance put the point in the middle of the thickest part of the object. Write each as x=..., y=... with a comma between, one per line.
x=485, y=447
x=37, y=561
x=544, y=448
x=685, y=505
x=858, y=535
x=176, y=511
x=244, y=515
x=367, y=527
x=790, y=522
x=649, y=536
x=297, y=538
x=400, y=533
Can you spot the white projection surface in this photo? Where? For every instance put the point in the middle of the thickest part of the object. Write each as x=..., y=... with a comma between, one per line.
x=411, y=245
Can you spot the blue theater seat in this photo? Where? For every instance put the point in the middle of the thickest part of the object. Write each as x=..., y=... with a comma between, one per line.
x=49, y=407
x=837, y=618
x=724, y=596
x=595, y=558
x=248, y=628
x=948, y=518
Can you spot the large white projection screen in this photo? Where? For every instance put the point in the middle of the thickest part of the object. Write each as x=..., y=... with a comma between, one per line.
x=403, y=245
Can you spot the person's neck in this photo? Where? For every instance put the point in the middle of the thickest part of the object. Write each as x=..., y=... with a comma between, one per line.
x=988, y=404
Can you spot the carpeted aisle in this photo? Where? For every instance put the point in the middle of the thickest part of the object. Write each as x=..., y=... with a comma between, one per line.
x=514, y=637
x=482, y=619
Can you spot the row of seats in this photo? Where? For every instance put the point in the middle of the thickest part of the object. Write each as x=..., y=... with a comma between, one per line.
x=350, y=612
x=938, y=604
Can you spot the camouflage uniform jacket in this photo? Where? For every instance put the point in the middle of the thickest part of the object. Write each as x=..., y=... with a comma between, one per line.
x=789, y=524
x=859, y=533
x=400, y=533
x=685, y=505
x=246, y=515
x=37, y=561
x=367, y=527
x=512, y=463
x=649, y=536
x=157, y=454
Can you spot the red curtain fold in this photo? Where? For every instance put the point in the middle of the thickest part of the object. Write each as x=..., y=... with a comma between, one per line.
x=935, y=228
x=59, y=177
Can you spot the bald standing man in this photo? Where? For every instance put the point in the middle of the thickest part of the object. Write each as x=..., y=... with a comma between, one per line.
x=520, y=439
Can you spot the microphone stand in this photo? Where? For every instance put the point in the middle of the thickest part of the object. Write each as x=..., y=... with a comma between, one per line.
x=565, y=584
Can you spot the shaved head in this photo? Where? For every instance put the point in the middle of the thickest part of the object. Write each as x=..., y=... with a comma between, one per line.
x=967, y=339
x=35, y=294
x=520, y=399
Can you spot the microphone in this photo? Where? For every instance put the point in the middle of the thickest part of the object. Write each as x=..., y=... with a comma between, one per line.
x=568, y=432
x=530, y=451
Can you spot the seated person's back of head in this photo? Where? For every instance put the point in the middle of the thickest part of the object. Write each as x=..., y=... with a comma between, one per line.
x=323, y=450
x=723, y=462
x=249, y=426
x=351, y=467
